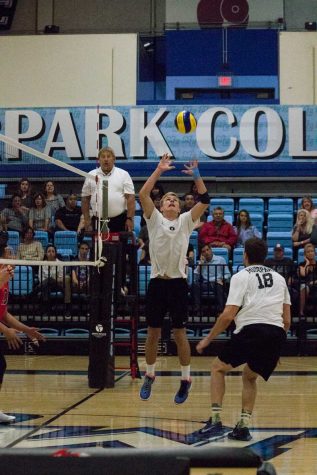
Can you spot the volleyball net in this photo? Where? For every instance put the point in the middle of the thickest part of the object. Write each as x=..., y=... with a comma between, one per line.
x=47, y=168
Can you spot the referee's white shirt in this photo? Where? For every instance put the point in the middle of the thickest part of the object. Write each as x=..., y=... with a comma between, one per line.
x=261, y=293
x=169, y=243
x=119, y=184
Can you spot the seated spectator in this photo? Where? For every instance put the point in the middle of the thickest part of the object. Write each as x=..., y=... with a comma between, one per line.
x=218, y=232
x=244, y=228
x=14, y=218
x=80, y=274
x=40, y=214
x=210, y=276
x=30, y=249
x=281, y=264
x=302, y=229
x=157, y=191
x=53, y=279
x=189, y=202
x=308, y=275
x=307, y=203
x=193, y=191
x=25, y=193
x=53, y=200
x=68, y=217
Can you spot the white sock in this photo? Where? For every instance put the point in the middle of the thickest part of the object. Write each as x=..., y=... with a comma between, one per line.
x=216, y=413
x=185, y=372
x=245, y=418
x=150, y=370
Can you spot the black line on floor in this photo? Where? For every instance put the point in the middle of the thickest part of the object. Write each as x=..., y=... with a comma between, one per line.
x=46, y=423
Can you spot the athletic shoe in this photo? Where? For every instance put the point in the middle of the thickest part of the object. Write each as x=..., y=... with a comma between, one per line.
x=146, y=389
x=240, y=433
x=182, y=393
x=5, y=419
x=211, y=428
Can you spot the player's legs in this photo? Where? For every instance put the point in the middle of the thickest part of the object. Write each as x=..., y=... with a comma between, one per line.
x=4, y=418
x=249, y=389
x=183, y=347
x=151, y=345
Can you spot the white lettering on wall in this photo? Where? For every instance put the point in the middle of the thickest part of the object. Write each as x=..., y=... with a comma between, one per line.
x=63, y=126
x=140, y=132
x=297, y=137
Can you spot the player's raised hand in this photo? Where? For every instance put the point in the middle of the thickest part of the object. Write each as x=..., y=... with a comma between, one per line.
x=190, y=168
x=165, y=163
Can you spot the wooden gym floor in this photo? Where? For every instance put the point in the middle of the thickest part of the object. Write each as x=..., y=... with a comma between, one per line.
x=55, y=409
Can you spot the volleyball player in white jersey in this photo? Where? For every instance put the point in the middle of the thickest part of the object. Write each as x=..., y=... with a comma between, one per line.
x=169, y=233
x=259, y=304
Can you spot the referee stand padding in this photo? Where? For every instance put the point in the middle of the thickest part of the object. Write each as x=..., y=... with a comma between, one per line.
x=133, y=461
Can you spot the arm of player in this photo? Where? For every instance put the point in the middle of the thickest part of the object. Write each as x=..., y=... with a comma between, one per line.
x=31, y=332
x=192, y=169
x=10, y=334
x=286, y=316
x=145, y=192
x=222, y=323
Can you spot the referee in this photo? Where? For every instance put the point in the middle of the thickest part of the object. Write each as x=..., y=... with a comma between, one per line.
x=121, y=196
x=259, y=303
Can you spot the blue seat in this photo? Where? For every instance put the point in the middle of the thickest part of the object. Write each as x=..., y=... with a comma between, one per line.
x=22, y=282
x=2, y=190
x=257, y=220
x=66, y=240
x=227, y=204
x=237, y=259
x=65, y=254
x=283, y=237
x=221, y=251
x=280, y=205
x=280, y=222
x=288, y=252
x=144, y=273
x=14, y=240
x=77, y=332
x=253, y=205
x=41, y=236
x=49, y=332
x=193, y=239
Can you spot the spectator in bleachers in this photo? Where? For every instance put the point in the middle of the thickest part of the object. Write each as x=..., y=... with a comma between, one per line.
x=308, y=275
x=68, y=217
x=14, y=218
x=302, y=229
x=189, y=202
x=244, y=228
x=157, y=191
x=30, y=249
x=54, y=201
x=218, y=232
x=210, y=276
x=80, y=274
x=307, y=203
x=53, y=279
x=39, y=214
x=281, y=264
x=25, y=193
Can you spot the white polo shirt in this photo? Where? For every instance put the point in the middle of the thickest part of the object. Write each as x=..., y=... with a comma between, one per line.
x=261, y=293
x=169, y=243
x=119, y=184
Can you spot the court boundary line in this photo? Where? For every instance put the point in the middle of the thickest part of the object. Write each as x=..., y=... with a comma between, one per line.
x=54, y=418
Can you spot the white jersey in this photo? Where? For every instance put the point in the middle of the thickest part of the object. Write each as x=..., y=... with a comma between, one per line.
x=261, y=293
x=169, y=243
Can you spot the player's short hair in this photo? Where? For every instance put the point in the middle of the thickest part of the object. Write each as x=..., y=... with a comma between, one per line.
x=170, y=193
x=256, y=250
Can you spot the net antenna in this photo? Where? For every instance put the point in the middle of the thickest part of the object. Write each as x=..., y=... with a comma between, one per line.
x=13, y=147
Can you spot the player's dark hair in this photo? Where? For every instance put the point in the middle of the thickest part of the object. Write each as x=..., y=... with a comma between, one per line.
x=256, y=250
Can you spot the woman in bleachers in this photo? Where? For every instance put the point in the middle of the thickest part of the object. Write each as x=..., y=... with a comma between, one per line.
x=14, y=218
x=308, y=275
x=54, y=201
x=30, y=249
x=302, y=229
x=25, y=193
x=244, y=228
x=307, y=203
x=40, y=214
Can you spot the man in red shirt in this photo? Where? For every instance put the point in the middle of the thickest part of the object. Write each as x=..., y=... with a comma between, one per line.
x=218, y=232
x=10, y=326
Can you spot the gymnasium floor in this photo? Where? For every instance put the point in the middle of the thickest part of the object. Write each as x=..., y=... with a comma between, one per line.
x=55, y=408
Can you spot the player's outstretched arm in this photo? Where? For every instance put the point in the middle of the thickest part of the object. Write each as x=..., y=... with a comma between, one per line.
x=222, y=323
x=165, y=164
x=198, y=210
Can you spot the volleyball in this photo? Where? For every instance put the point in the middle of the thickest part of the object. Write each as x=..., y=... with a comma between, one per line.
x=185, y=122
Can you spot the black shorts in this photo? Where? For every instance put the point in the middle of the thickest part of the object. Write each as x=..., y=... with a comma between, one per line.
x=167, y=295
x=258, y=345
